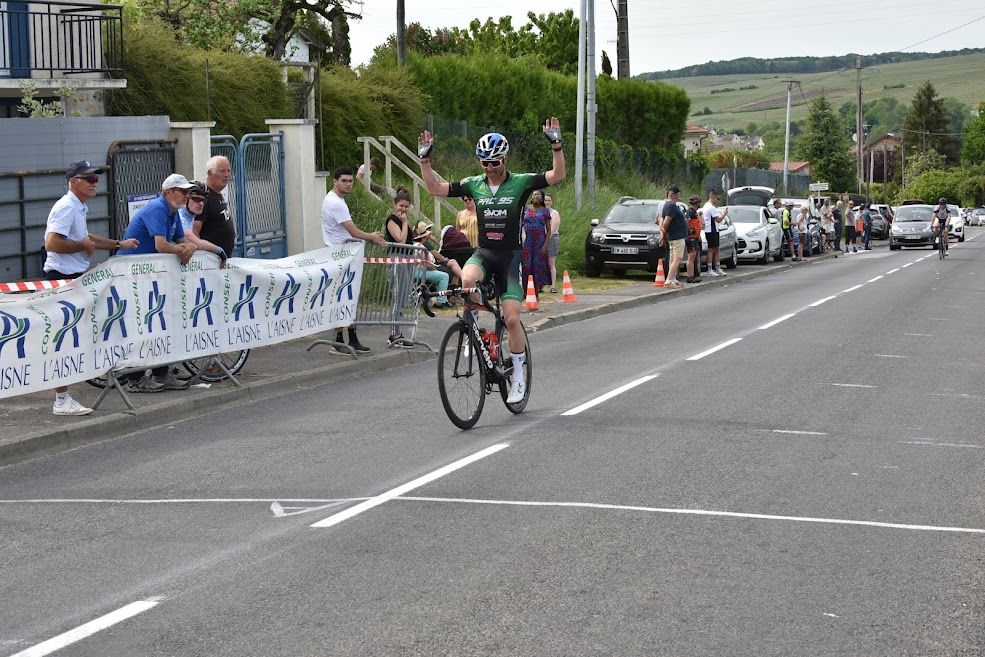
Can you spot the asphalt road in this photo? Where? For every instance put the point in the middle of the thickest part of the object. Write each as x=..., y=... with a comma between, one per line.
x=813, y=486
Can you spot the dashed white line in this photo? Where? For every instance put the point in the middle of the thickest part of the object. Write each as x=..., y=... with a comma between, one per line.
x=889, y=356
x=907, y=265
x=609, y=395
x=852, y=385
x=800, y=433
x=873, y=280
x=933, y=444
x=776, y=321
x=406, y=488
x=852, y=289
x=919, y=335
x=714, y=349
x=90, y=628
x=892, y=271
x=820, y=301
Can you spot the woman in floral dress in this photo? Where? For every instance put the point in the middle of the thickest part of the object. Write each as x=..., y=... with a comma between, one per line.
x=536, y=231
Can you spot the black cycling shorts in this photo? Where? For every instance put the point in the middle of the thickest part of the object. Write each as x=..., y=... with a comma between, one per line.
x=503, y=266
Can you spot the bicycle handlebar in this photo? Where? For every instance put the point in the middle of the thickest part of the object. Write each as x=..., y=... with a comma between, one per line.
x=486, y=291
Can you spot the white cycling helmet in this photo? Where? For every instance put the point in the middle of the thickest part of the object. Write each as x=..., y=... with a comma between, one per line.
x=492, y=146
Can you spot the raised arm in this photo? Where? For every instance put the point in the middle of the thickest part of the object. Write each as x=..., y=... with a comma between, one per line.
x=552, y=130
x=425, y=144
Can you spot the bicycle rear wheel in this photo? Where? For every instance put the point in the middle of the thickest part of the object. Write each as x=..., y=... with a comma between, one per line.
x=233, y=360
x=506, y=363
x=940, y=247
x=461, y=377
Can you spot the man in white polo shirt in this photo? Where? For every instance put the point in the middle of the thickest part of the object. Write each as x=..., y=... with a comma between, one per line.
x=337, y=227
x=69, y=245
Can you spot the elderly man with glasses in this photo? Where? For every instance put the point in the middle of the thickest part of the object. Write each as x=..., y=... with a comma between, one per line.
x=69, y=245
x=157, y=228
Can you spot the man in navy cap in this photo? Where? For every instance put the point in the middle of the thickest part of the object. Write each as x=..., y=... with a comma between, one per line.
x=69, y=245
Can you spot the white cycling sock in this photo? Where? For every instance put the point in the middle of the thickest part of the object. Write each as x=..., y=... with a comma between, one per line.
x=518, y=360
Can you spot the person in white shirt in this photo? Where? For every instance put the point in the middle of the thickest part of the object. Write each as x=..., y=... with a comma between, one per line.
x=337, y=227
x=712, y=216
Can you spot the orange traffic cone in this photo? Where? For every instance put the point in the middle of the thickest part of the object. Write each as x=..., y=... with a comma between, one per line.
x=659, y=280
x=567, y=292
x=531, y=302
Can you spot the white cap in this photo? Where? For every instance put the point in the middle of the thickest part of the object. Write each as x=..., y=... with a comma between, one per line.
x=176, y=181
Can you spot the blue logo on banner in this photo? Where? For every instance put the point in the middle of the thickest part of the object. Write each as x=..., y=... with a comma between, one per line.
x=14, y=328
x=203, y=301
x=246, y=293
x=115, y=310
x=72, y=317
x=326, y=280
x=155, y=301
x=346, y=284
x=290, y=290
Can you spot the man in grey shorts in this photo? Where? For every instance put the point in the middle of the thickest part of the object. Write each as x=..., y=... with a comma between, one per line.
x=554, y=242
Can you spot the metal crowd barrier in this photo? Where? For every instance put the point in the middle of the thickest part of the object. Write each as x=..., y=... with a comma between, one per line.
x=389, y=293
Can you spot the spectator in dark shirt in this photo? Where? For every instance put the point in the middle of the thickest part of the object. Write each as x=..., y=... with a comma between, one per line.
x=455, y=245
x=674, y=228
x=216, y=224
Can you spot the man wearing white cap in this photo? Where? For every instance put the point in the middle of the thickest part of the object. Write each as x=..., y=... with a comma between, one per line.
x=158, y=229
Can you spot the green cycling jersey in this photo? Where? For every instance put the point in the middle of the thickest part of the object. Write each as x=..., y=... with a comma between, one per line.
x=499, y=212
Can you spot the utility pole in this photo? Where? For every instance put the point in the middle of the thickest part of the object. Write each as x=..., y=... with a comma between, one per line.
x=622, y=40
x=580, y=110
x=861, y=144
x=858, y=119
x=401, y=35
x=902, y=159
x=590, y=101
x=786, y=140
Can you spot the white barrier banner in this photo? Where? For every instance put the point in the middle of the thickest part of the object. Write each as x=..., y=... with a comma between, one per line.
x=148, y=310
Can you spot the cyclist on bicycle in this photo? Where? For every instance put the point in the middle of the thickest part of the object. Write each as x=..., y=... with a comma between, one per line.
x=500, y=197
x=941, y=215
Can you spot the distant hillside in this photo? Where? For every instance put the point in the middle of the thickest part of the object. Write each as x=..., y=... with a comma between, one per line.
x=800, y=65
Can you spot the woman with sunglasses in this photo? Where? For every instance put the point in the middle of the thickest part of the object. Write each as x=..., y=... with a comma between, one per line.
x=467, y=222
x=500, y=197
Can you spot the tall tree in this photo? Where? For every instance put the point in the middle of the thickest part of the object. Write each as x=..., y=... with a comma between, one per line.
x=825, y=146
x=973, y=143
x=927, y=123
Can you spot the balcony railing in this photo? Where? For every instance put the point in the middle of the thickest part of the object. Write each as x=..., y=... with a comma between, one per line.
x=57, y=39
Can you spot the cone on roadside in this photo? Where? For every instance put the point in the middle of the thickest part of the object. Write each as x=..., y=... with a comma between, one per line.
x=660, y=278
x=567, y=292
x=531, y=302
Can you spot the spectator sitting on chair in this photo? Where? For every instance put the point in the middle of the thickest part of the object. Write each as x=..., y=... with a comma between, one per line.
x=69, y=245
x=157, y=228
x=440, y=269
x=455, y=245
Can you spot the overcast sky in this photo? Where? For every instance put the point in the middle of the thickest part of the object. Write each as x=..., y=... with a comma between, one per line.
x=666, y=36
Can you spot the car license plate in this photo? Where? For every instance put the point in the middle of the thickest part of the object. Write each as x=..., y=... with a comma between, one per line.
x=625, y=250
x=912, y=237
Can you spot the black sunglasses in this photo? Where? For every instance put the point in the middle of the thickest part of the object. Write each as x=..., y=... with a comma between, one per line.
x=491, y=163
x=92, y=180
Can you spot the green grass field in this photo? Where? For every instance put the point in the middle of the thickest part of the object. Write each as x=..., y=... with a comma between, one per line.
x=956, y=77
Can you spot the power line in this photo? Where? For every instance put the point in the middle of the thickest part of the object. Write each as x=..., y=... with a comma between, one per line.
x=941, y=34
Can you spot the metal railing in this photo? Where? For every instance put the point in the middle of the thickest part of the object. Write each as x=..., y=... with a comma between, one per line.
x=60, y=38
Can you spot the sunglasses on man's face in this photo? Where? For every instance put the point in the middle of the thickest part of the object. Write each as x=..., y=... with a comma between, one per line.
x=183, y=192
x=491, y=164
x=196, y=199
x=92, y=180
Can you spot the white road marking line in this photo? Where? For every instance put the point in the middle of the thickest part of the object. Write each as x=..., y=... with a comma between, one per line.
x=907, y=265
x=873, y=280
x=409, y=486
x=776, y=321
x=933, y=444
x=963, y=395
x=939, y=319
x=801, y=433
x=90, y=628
x=222, y=500
x=892, y=271
x=703, y=512
x=820, y=301
x=852, y=289
x=609, y=395
x=852, y=385
x=919, y=335
x=889, y=356
x=714, y=349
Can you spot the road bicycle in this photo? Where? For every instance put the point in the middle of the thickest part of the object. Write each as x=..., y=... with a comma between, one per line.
x=942, y=243
x=232, y=360
x=473, y=362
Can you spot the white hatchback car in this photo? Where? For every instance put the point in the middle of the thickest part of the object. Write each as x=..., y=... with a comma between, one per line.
x=956, y=223
x=758, y=235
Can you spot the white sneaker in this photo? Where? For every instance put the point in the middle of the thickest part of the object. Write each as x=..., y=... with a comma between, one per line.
x=719, y=272
x=69, y=406
x=517, y=391
x=712, y=272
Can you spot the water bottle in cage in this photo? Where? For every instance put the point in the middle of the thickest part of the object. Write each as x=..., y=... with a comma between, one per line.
x=493, y=345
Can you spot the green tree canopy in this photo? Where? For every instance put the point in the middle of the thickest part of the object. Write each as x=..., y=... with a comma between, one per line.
x=927, y=124
x=973, y=143
x=825, y=146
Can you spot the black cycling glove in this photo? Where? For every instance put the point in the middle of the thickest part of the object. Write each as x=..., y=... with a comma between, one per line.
x=424, y=149
x=553, y=135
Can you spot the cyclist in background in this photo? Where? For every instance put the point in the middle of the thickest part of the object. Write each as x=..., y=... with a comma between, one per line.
x=500, y=197
x=941, y=216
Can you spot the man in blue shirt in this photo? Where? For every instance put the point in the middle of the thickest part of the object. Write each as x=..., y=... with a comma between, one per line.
x=673, y=229
x=157, y=228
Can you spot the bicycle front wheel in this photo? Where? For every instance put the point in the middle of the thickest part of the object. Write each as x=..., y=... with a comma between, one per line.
x=233, y=360
x=461, y=377
x=506, y=362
